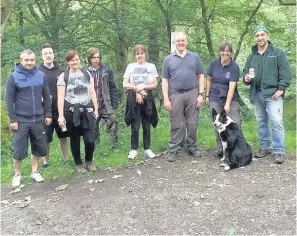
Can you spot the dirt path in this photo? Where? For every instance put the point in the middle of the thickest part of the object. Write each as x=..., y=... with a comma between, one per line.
x=185, y=197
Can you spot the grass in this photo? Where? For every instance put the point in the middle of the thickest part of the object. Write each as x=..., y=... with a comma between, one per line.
x=105, y=158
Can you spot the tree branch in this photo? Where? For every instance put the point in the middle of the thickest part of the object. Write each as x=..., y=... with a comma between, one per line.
x=282, y=3
x=246, y=29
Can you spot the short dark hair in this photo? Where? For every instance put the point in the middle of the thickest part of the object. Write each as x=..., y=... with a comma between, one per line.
x=27, y=51
x=224, y=44
x=91, y=53
x=46, y=45
x=70, y=55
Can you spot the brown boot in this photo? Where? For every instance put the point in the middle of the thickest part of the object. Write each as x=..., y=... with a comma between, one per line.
x=90, y=166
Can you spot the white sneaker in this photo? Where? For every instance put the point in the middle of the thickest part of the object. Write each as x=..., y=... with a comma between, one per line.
x=149, y=154
x=16, y=181
x=132, y=154
x=37, y=177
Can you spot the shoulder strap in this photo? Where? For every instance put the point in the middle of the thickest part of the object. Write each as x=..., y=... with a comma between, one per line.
x=66, y=76
x=86, y=74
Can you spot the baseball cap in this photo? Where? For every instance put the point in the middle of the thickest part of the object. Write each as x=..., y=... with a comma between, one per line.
x=260, y=28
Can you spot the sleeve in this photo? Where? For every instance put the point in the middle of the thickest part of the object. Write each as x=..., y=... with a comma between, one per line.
x=210, y=70
x=113, y=90
x=154, y=71
x=245, y=70
x=165, y=69
x=10, y=99
x=47, y=106
x=127, y=72
x=284, y=71
x=61, y=81
x=235, y=73
x=199, y=66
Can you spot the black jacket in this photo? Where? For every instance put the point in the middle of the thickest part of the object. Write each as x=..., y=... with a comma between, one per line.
x=109, y=91
x=149, y=106
x=52, y=78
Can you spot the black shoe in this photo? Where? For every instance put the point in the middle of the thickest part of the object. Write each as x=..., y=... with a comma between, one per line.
x=172, y=156
x=45, y=165
x=262, y=153
x=220, y=154
x=279, y=158
x=195, y=153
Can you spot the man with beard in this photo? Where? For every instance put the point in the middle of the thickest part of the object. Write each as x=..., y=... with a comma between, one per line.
x=268, y=73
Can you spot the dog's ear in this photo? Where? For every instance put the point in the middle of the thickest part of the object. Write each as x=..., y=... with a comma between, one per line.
x=223, y=113
x=214, y=112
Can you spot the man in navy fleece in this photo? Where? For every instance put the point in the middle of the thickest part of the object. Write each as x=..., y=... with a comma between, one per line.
x=29, y=109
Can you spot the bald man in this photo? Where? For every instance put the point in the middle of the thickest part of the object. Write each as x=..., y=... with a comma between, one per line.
x=183, y=92
x=29, y=109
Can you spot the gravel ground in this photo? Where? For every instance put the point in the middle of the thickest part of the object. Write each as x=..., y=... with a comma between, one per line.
x=193, y=197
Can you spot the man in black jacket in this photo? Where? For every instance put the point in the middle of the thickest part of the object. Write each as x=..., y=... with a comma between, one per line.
x=107, y=95
x=52, y=70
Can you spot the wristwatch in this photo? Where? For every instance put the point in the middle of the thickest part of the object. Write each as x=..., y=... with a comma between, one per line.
x=202, y=94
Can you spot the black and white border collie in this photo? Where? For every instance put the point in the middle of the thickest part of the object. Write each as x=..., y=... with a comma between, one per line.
x=236, y=151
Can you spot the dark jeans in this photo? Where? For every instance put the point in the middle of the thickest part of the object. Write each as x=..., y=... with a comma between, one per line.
x=140, y=117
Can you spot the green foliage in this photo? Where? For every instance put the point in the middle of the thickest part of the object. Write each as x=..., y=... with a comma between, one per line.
x=105, y=158
x=115, y=27
x=5, y=137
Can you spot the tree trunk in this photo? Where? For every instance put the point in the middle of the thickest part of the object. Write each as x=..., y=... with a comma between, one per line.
x=153, y=48
x=120, y=25
x=6, y=7
x=167, y=16
x=207, y=29
x=21, y=29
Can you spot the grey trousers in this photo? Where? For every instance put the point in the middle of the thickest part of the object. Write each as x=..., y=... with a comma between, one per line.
x=234, y=113
x=183, y=114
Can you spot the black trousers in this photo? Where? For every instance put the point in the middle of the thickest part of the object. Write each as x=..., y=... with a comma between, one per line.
x=138, y=118
x=75, y=132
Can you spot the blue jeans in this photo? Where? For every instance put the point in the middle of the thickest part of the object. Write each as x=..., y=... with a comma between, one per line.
x=269, y=116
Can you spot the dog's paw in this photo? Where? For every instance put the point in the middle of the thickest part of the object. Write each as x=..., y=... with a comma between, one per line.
x=227, y=167
x=223, y=164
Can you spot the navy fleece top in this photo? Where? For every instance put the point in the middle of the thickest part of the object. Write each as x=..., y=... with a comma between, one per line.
x=27, y=96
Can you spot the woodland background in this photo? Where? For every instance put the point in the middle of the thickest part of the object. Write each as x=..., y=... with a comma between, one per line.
x=116, y=26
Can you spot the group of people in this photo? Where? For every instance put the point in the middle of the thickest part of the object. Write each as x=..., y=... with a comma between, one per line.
x=73, y=101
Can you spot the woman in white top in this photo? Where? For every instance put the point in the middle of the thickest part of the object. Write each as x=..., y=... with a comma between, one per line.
x=140, y=79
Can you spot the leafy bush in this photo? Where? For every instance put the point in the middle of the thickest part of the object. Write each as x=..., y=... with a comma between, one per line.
x=6, y=147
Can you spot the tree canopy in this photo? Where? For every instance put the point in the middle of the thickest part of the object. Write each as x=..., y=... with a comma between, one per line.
x=115, y=26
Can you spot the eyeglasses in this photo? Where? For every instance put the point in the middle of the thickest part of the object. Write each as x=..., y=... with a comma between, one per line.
x=96, y=57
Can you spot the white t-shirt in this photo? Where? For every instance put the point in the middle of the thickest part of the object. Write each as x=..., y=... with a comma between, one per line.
x=78, y=88
x=141, y=73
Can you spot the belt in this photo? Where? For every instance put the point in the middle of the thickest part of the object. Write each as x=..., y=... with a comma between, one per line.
x=184, y=91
